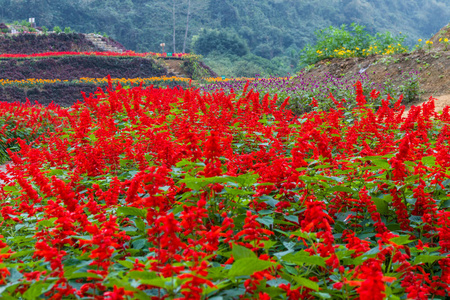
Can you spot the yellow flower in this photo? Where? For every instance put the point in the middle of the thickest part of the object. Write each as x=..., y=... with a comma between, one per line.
x=419, y=40
x=440, y=40
x=427, y=42
x=446, y=40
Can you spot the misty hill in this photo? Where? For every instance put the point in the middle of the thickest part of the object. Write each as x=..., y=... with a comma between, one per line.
x=268, y=28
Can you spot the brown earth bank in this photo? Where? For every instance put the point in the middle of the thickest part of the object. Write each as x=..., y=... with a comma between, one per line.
x=432, y=68
x=428, y=66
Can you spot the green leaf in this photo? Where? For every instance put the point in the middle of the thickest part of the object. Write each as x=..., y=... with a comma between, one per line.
x=427, y=259
x=22, y=253
x=140, y=224
x=246, y=179
x=269, y=244
x=10, y=188
x=47, y=223
x=323, y=295
x=142, y=275
x=37, y=289
x=304, y=235
x=56, y=172
x=303, y=258
x=381, y=163
x=93, y=137
x=340, y=188
x=126, y=263
x=131, y=211
x=445, y=204
x=306, y=283
x=237, y=192
x=269, y=200
x=248, y=266
x=401, y=240
x=139, y=244
x=158, y=282
x=240, y=252
x=429, y=161
x=77, y=275
x=382, y=206
x=266, y=220
x=292, y=218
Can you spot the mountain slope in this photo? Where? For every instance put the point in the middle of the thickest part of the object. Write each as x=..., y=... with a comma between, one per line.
x=270, y=27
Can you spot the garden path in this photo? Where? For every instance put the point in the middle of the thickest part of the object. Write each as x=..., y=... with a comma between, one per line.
x=442, y=101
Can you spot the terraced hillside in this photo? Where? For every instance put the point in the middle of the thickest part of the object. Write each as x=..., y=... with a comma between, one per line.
x=52, y=42
x=59, y=64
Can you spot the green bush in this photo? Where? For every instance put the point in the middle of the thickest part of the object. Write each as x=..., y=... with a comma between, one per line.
x=57, y=29
x=353, y=42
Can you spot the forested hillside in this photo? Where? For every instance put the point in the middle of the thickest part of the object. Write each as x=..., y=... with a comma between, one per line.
x=267, y=29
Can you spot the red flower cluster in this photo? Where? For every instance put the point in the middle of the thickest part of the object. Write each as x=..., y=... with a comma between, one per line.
x=170, y=193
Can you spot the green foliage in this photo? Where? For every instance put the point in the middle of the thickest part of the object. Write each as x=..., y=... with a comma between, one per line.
x=57, y=29
x=124, y=216
x=14, y=129
x=25, y=23
x=67, y=30
x=409, y=88
x=221, y=41
x=192, y=65
x=353, y=42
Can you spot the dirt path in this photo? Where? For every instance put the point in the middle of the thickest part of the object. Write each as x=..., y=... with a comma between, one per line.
x=439, y=104
x=174, y=66
x=442, y=102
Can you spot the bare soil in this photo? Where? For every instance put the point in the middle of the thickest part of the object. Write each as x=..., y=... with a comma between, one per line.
x=432, y=65
x=433, y=68
x=439, y=103
x=175, y=65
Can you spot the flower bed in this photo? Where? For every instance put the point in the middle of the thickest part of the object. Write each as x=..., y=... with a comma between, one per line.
x=32, y=43
x=301, y=89
x=126, y=54
x=75, y=67
x=33, y=82
x=169, y=193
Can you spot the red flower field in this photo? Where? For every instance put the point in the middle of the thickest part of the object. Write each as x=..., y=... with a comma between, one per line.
x=170, y=193
x=72, y=53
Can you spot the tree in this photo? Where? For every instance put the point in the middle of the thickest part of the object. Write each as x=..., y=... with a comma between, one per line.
x=221, y=41
x=173, y=22
x=187, y=26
